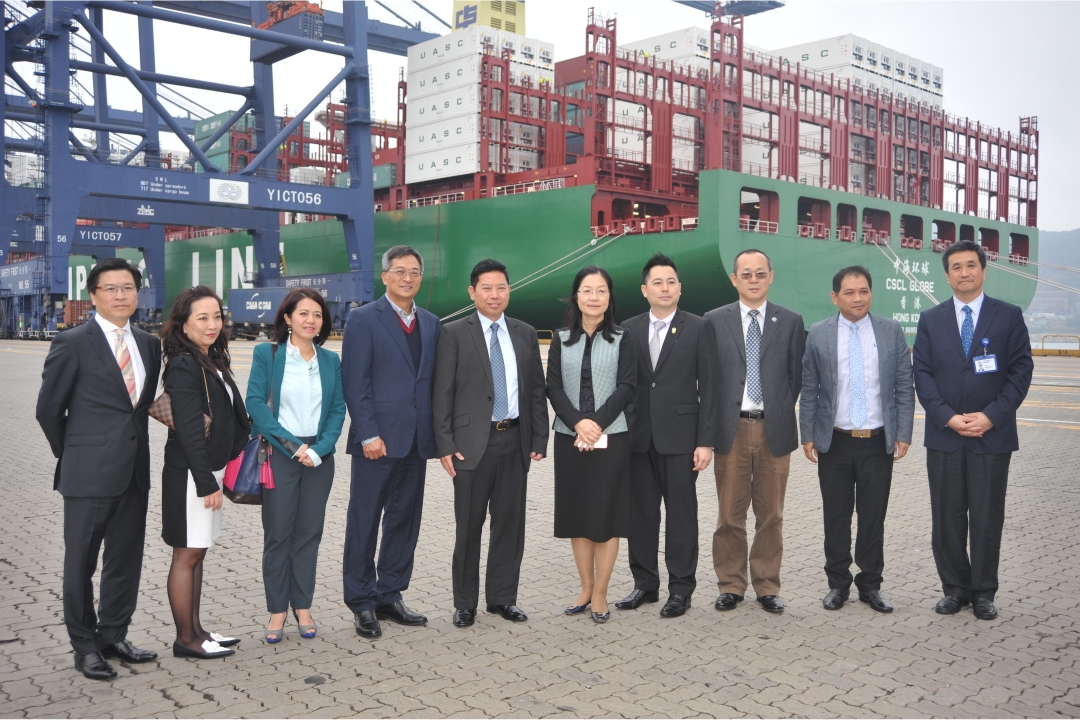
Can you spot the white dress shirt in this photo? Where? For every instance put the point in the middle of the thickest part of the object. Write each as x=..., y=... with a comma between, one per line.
x=976, y=308
x=300, y=403
x=509, y=362
x=871, y=374
x=664, y=329
x=132, y=346
x=744, y=313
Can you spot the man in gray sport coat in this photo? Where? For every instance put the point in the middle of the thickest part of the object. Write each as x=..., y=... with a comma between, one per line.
x=856, y=414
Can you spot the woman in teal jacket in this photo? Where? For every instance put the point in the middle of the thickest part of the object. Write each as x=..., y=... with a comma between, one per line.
x=296, y=402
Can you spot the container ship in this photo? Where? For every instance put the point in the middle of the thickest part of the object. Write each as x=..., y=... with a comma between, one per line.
x=828, y=154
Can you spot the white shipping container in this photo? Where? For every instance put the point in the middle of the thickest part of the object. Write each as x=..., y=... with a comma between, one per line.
x=460, y=43
x=454, y=74
x=545, y=57
x=631, y=115
x=445, y=133
x=444, y=162
x=680, y=43
x=307, y=175
x=464, y=100
x=536, y=75
x=522, y=160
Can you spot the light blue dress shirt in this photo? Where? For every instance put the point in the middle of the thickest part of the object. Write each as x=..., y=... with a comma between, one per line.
x=509, y=362
x=300, y=404
x=871, y=374
x=976, y=308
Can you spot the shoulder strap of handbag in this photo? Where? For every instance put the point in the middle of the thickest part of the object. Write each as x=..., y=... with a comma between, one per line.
x=273, y=354
x=206, y=386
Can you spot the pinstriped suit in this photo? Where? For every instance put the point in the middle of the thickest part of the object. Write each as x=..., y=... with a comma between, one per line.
x=753, y=456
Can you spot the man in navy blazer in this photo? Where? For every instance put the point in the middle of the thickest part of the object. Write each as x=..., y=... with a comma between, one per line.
x=387, y=366
x=972, y=363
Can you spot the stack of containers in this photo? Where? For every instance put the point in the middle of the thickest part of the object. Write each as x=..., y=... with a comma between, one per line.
x=443, y=132
x=218, y=153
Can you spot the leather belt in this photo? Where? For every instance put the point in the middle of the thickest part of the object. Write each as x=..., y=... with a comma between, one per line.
x=860, y=433
x=753, y=414
x=505, y=424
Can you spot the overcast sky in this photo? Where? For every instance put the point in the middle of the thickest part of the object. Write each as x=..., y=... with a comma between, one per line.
x=1002, y=60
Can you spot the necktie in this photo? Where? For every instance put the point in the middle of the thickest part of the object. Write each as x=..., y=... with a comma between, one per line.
x=967, y=330
x=857, y=393
x=753, y=358
x=657, y=342
x=123, y=357
x=498, y=376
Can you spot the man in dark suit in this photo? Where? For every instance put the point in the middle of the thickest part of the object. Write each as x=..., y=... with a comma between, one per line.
x=387, y=364
x=671, y=437
x=97, y=386
x=491, y=421
x=761, y=350
x=855, y=413
x=972, y=361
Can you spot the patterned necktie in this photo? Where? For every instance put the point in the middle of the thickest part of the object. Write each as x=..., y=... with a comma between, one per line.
x=498, y=376
x=856, y=391
x=967, y=330
x=657, y=342
x=753, y=358
x=123, y=357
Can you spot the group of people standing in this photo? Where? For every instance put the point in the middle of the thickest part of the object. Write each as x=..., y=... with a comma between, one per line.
x=640, y=410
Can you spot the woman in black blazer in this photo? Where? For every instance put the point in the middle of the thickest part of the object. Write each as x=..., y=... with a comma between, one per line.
x=199, y=383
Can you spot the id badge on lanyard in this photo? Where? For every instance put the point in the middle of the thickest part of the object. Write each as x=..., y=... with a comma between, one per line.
x=985, y=363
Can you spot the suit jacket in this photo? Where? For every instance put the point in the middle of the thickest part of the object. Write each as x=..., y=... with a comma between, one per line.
x=83, y=407
x=782, y=344
x=820, y=383
x=268, y=371
x=387, y=395
x=463, y=395
x=675, y=404
x=948, y=385
x=189, y=448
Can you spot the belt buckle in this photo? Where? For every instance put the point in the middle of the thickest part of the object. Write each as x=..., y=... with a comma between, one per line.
x=502, y=425
x=860, y=433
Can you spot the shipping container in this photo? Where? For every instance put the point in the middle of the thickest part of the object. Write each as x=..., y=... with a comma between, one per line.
x=443, y=105
x=469, y=42
x=252, y=310
x=307, y=175
x=460, y=72
x=680, y=43
x=445, y=133
x=220, y=159
x=536, y=75
x=384, y=176
x=75, y=312
x=207, y=127
x=442, y=162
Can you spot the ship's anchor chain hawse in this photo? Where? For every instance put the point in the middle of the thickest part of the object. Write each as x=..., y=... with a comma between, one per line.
x=590, y=247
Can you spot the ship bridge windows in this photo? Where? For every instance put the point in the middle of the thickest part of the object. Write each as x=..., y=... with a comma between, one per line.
x=911, y=232
x=846, y=222
x=759, y=211
x=876, y=226
x=1018, y=248
x=815, y=218
x=990, y=241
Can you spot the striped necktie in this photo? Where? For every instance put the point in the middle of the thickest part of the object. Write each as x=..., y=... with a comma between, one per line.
x=856, y=387
x=123, y=357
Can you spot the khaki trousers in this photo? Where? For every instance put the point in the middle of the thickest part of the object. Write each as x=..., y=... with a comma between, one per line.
x=750, y=474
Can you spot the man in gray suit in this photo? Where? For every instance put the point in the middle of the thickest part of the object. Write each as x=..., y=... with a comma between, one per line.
x=761, y=348
x=491, y=419
x=856, y=414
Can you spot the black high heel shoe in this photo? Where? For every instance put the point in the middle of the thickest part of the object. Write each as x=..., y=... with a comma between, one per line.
x=576, y=609
x=209, y=651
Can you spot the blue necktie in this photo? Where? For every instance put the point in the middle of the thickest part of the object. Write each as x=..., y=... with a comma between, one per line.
x=498, y=377
x=967, y=330
x=856, y=390
x=753, y=359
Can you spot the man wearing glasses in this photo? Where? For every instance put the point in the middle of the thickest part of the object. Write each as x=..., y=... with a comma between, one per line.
x=387, y=365
x=97, y=386
x=761, y=350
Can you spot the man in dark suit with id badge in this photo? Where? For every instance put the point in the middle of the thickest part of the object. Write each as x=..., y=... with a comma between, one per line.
x=972, y=364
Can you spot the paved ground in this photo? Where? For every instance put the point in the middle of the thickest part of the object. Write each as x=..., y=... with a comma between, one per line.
x=806, y=662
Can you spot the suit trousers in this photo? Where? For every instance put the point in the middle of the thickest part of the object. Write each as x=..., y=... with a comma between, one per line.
x=293, y=513
x=750, y=474
x=855, y=474
x=499, y=481
x=118, y=522
x=390, y=489
x=671, y=478
x=967, y=493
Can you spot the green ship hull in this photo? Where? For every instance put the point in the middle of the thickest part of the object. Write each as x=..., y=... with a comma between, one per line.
x=544, y=238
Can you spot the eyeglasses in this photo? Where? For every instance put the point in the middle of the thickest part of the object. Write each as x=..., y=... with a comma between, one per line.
x=760, y=275
x=600, y=293
x=402, y=273
x=117, y=289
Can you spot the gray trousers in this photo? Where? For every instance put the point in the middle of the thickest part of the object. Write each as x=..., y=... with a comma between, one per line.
x=292, y=515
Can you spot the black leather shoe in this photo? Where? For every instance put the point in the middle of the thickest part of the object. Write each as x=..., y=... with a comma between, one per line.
x=676, y=606
x=464, y=618
x=637, y=598
x=727, y=601
x=126, y=651
x=876, y=600
x=772, y=603
x=950, y=605
x=835, y=599
x=397, y=612
x=984, y=609
x=509, y=612
x=367, y=625
x=94, y=666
